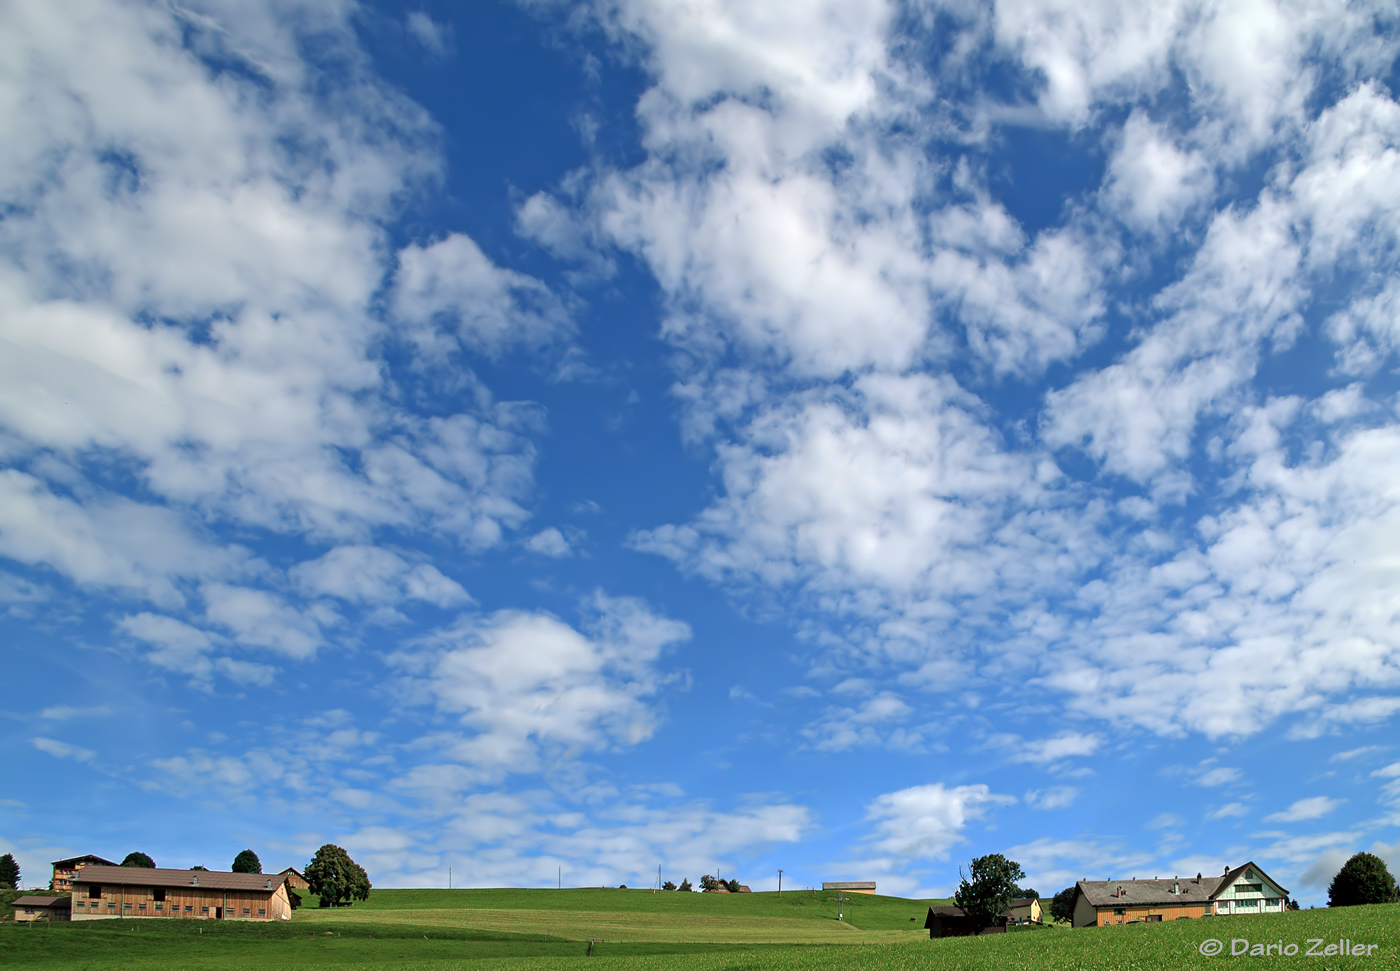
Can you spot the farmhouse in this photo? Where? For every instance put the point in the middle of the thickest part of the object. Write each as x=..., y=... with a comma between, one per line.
x=101, y=892
x=295, y=880
x=1025, y=910
x=851, y=886
x=63, y=870
x=1244, y=890
x=32, y=907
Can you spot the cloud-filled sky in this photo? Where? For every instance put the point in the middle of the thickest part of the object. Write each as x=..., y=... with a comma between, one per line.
x=556, y=440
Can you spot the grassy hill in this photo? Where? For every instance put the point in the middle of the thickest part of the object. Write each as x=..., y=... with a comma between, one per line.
x=440, y=930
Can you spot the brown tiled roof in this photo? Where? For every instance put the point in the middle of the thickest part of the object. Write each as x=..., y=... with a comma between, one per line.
x=134, y=876
x=850, y=885
x=34, y=900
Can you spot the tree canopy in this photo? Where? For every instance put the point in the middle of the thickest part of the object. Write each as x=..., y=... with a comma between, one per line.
x=139, y=859
x=685, y=886
x=1062, y=905
x=9, y=872
x=986, y=893
x=731, y=885
x=336, y=878
x=247, y=862
x=708, y=883
x=668, y=885
x=1363, y=879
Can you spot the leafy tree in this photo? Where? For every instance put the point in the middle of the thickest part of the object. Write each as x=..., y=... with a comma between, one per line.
x=246, y=862
x=685, y=886
x=139, y=859
x=668, y=885
x=1022, y=892
x=199, y=868
x=1293, y=904
x=989, y=892
x=9, y=872
x=708, y=884
x=1062, y=905
x=336, y=878
x=732, y=886
x=1363, y=879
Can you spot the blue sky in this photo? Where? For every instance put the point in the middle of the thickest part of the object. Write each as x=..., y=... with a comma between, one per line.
x=536, y=438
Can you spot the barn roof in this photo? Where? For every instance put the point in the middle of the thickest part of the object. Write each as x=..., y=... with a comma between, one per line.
x=36, y=900
x=133, y=876
x=850, y=885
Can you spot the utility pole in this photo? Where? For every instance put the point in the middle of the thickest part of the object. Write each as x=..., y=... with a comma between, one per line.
x=561, y=878
x=449, y=878
x=780, y=883
x=658, y=879
x=839, y=901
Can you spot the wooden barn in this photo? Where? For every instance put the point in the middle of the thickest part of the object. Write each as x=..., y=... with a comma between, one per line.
x=945, y=920
x=102, y=892
x=32, y=907
x=295, y=880
x=851, y=886
x=63, y=870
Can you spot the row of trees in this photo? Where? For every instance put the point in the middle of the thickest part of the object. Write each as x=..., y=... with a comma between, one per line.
x=708, y=884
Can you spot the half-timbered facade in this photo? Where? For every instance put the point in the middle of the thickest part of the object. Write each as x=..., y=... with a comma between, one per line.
x=103, y=892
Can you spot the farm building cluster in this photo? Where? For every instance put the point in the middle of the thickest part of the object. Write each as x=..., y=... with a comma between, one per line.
x=91, y=888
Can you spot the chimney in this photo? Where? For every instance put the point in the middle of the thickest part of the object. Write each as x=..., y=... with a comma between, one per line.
x=1227, y=869
x=1176, y=887
x=269, y=884
x=1198, y=876
x=194, y=880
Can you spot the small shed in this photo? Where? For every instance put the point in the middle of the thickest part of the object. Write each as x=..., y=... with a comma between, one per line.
x=851, y=886
x=32, y=907
x=945, y=920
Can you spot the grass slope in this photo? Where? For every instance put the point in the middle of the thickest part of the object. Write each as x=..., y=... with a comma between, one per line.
x=379, y=938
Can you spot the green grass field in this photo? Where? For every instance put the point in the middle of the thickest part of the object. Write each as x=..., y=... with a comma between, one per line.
x=529, y=930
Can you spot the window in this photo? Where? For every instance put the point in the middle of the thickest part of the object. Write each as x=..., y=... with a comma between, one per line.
x=158, y=893
x=204, y=910
x=94, y=890
x=245, y=911
x=1154, y=916
x=1120, y=910
x=126, y=906
x=189, y=909
x=160, y=906
x=111, y=905
x=262, y=911
x=140, y=906
x=29, y=910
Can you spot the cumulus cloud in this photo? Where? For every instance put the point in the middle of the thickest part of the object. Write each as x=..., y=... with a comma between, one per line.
x=371, y=574
x=1313, y=807
x=531, y=689
x=926, y=822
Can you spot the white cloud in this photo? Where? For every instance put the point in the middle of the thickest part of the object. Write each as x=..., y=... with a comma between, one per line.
x=549, y=542
x=1056, y=797
x=436, y=38
x=1151, y=181
x=926, y=822
x=63, y=750
x=870, y=723
x=1231, y=810
x=1313, y=807
x=1046, y=751
x=372, y=574
x=532, y=689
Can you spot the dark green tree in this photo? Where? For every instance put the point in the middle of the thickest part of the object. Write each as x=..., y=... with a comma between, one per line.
x=1062, y=905
x=199, y=868
x=732, y=886
x=336, y=878
x=1023, y=892
x=247, y=862
x=685, y=886
x=9, y=872
x=708, y=883
x=139, y=859
x=986, y=893
x=1363, y=879
x=668, y=885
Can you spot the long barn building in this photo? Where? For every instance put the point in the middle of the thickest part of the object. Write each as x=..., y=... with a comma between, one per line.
x=104, y=892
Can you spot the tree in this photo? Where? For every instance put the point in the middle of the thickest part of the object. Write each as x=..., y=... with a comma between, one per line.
x=685, y=886
x=1062, y=905
x=336, y=878
x=197, y=867
x=1024, y=892
x=989, y=892
x=9, y=872
x=139, y=859
x=708, y=884
x=668, y=885
x=732, y=886
x=246, y=862
x=1293, y=904
x=1363, y=879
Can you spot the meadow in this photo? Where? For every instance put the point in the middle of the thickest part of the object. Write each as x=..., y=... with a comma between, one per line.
x=529, y=930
